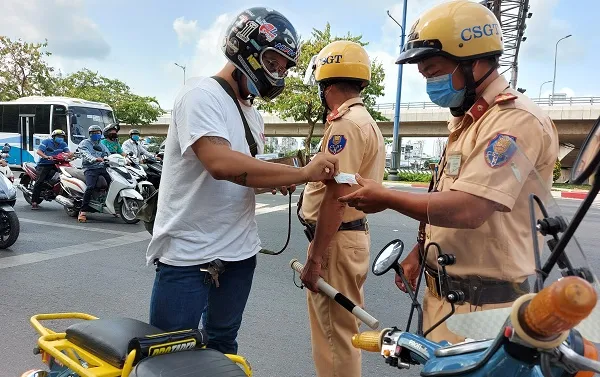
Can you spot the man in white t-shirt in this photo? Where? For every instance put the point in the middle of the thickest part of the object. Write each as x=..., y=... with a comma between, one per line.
x=205, y=217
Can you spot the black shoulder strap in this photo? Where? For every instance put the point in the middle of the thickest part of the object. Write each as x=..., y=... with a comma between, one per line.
x=249, y=138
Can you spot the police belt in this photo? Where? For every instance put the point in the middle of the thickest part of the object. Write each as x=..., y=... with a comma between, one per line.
x=310, y=228
x=477, y=290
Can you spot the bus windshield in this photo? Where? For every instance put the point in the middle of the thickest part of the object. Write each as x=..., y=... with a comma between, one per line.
x=84, y=117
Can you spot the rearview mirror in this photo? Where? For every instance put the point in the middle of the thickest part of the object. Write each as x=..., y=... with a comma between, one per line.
x=131, y=153
x=73, y=119
x=387, y=257
x=309, y=77
x=589, y=156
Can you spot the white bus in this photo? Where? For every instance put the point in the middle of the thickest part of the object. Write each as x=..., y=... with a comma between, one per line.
x=25, y=122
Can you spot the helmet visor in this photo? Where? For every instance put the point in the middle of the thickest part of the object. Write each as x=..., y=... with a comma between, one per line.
x=309, y=75
x=272, y=65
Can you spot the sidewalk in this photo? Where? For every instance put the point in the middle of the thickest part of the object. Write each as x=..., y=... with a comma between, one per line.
x=556, y=192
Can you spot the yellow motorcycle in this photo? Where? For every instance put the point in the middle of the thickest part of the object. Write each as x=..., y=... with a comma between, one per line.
x=125, y=347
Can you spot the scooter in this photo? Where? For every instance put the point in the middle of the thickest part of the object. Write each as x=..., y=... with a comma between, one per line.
x=553, y=331
x=119, y=198
x=125, y=347
x=144, y=187
x=51, y=187
x=9, y=221
x=154, y=171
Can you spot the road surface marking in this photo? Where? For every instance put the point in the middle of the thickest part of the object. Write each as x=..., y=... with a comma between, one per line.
x=39, y=256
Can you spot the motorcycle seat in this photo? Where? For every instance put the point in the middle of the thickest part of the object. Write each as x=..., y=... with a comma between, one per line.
x=194, y=363
x=109, y=338
x=79, y=174
x=30, y=165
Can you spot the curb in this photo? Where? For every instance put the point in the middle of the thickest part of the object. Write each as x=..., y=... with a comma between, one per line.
x=556, y=193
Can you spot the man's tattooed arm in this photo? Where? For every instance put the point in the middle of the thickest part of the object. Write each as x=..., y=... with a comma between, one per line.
x=239, y=179
x=217, y=140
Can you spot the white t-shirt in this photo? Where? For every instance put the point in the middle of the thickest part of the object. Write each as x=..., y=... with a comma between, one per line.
x=200, y=218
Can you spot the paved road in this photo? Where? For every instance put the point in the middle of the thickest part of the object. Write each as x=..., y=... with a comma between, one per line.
x=99, y=268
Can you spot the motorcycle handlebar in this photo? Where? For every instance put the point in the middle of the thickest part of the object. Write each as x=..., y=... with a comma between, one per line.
x=557, y=308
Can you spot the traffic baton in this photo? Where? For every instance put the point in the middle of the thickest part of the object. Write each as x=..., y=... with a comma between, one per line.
x=344, y=301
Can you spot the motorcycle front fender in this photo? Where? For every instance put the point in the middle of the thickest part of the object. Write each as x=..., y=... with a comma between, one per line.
x=141, y=185
x=6, y=207
x=131, y=193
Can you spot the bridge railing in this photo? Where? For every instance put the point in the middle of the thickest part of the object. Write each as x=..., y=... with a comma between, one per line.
x=566, y=101
x=389, y=108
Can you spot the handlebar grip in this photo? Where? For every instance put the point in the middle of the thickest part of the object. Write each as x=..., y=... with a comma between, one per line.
x=558, y=308
x=334, y=294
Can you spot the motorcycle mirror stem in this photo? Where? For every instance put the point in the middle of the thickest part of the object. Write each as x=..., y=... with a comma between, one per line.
x=413, y=297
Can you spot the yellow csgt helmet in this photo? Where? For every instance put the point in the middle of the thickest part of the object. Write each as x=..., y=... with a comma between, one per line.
x=461, y=30
x=341, y=60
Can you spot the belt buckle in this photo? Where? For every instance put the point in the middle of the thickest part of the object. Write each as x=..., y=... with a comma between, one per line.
x=431, y=282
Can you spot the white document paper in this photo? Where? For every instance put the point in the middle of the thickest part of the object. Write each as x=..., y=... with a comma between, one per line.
x=346, y=178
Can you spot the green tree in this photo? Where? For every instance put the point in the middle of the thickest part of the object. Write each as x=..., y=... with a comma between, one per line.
x=556, y=173
x=301, y=103
x=130, y=108
x=23, y=70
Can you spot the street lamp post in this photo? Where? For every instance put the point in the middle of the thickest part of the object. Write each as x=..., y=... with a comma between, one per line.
x=396, y=145
x=544, y=83
x=182, y=67
x=555, y=54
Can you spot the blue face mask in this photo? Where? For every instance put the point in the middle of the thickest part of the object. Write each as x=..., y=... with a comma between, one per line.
x=95, y=137
x=252, y=88
x=58, y=140
x=442, y=93
x=135, y=137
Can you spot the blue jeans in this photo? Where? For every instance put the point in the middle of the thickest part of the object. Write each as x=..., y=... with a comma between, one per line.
x=182, y=296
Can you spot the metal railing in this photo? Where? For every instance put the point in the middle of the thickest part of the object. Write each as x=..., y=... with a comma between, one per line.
x=565, y=101
x=561, y=101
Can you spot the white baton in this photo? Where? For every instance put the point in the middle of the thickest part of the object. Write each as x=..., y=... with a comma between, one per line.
x=344, y=301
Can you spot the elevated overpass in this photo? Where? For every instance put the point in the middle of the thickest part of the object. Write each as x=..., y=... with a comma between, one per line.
x=573, y=116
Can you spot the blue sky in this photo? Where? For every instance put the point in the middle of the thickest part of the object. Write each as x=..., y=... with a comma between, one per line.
x=138, y=41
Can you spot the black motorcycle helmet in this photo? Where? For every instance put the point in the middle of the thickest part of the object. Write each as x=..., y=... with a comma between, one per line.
x=254, y=32
x=110, y=127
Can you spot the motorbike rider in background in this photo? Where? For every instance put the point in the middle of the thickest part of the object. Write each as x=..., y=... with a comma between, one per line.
x=111, y=139
x=92, y=153
x=134, y=145
x=46, y=167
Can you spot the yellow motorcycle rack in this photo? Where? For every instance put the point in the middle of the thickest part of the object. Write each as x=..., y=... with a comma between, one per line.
x=71, y=356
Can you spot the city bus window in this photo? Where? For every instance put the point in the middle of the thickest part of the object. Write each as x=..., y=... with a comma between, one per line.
x=10, y=119
x=42, y=119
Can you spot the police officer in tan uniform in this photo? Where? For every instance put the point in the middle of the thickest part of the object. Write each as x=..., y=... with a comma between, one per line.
x=339, y=247
x=477, y=207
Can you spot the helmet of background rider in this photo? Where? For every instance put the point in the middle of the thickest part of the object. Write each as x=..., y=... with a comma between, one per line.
x=460, y=30
x=58, y=132
x=110, y=127
x=253, y=33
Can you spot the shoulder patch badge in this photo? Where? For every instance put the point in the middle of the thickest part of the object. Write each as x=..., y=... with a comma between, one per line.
x=500, y=150
x=336, y=144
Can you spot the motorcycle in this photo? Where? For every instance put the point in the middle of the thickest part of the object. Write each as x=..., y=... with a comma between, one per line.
x=144, y=187
x=119, y=198
x=553, y=331
x=127, y=347
x=153, y=171
x=9, y=221
x=51, y=187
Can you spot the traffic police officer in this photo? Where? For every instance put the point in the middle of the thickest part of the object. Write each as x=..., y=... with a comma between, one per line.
x=477, y=208
x=339, y=251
